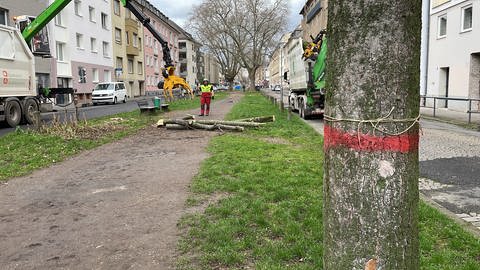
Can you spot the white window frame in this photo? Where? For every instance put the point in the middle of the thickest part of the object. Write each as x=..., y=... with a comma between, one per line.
x=59, y=19
x=60, y=47
x=77, y=7
x=135, y=40
x=130, y=66
x=104, y=19
x=118, y=35
x=91, y=14
x=463, y=29
x=79, y=40
x=107, y=75
x=93, y=45
x=140, y=68
x=440, y=18
x=95, y=75
x=116, y=7
x=105, y=48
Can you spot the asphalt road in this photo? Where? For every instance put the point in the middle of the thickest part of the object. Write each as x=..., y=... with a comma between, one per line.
x=84, y=113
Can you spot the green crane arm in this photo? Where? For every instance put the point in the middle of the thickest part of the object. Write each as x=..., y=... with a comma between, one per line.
x=46, y=16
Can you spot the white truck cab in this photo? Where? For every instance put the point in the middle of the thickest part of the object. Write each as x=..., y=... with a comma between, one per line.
x=109, y=92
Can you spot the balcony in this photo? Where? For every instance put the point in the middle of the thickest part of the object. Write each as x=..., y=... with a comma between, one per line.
x=131, y=50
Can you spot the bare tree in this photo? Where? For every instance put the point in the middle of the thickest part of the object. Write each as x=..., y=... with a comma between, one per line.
x=371, y=135
x=238, y=32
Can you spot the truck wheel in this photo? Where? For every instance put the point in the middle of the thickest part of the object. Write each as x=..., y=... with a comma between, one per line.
x=13, y=113
x=31, y=107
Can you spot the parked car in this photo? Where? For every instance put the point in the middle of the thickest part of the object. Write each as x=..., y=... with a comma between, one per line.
x=109, y=92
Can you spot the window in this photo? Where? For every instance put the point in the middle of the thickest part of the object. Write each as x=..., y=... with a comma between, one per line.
x=467, y=13
x=91, y=13
x=94, y=75
x=116, y=7
x=130, y=66
x=78, y=7
x=119, y=63
x=3, y=17
x=135, y=40
x=127, y=39
x=106, y=48
x=442, y=26
x=79, y=40
x=107, y=75
x=93, y=44
x=104, y=21
x=140, y=68
x=7, y=47
x=59, y=19
x=118, y=35
x=60, y=51
x=140, y=44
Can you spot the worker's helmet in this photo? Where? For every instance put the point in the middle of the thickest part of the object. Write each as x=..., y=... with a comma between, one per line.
x=205, y=80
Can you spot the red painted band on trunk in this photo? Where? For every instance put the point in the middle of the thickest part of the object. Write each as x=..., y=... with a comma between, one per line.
x=404, y=143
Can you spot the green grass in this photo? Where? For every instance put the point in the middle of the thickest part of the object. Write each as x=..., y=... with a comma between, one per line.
x=268, y=183
x=22, y=152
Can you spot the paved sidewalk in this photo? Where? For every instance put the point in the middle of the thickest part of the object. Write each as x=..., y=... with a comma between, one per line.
x=444, y=114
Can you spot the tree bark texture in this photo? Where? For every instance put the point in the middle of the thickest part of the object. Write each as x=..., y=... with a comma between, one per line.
x=371, y=177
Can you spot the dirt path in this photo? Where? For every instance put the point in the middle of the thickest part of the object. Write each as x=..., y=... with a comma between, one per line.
x=114, y=207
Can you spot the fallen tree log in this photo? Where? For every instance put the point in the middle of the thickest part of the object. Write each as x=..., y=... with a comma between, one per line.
x=230, y=123
x=259, y=119
x=175, y=127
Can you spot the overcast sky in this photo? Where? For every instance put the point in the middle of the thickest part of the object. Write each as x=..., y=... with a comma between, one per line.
x=179, y=11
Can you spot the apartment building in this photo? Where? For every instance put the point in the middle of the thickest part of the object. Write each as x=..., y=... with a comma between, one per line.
x=84, y=54
x=315, y=13
x=454, y=51
x=153, y=52
x=279, y=64
x=128, y=55
x=188, y=55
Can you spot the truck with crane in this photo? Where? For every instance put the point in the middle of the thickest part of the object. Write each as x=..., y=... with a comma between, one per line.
x=19, y=96
x=307, y=81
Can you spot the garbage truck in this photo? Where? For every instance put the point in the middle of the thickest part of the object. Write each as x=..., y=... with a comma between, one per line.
x=19, y=96
x=307, y=81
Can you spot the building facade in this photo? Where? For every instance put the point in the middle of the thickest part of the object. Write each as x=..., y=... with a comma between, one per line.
x=188, y=56
x=87, y=50
x=315, y=13
x=454, y=51
x=153, y=53
x=128, y=56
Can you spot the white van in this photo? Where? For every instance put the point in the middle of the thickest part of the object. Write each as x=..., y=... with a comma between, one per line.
x=109, y=92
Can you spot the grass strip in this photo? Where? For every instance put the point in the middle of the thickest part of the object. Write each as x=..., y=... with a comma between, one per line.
x=24, y=151
x=266, y=189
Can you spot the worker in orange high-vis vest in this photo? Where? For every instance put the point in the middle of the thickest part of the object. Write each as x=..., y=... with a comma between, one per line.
x=207, y=93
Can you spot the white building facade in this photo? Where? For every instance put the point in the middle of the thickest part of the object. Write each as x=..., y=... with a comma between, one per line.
x=454, y=51
x=81, y=36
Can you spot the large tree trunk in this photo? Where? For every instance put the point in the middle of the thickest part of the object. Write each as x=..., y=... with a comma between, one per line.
x=371, y=177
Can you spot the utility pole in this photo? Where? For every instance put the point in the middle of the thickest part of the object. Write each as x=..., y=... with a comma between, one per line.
x=371, y=135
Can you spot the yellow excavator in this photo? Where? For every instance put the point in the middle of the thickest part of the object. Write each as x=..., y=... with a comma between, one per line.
x=171, y=80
